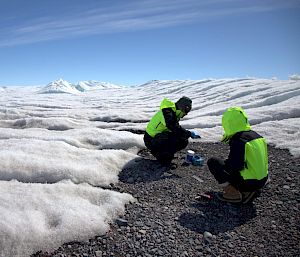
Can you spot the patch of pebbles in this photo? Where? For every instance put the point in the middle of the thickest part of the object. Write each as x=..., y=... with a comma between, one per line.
x=166, y=220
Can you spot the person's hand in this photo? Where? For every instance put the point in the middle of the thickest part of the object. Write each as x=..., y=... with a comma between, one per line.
x=195, y=134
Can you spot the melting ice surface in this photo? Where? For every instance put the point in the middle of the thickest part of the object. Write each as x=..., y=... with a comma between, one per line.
x=61, y=143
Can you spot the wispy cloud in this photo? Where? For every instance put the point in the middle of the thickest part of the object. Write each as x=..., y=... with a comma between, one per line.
x=128, y=16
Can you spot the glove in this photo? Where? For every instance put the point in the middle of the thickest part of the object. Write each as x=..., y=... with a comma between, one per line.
x=195, y=134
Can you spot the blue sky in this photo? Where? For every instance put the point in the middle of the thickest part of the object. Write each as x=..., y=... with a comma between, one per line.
x=133, y=41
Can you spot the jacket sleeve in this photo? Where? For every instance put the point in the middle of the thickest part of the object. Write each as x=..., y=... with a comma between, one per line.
x=235, y=161
x=173, y=125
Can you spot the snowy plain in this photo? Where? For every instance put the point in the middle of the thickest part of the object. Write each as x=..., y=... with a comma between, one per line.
x=63, y=144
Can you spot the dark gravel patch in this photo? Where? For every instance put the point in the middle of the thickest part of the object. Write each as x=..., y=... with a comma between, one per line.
x=168, y=221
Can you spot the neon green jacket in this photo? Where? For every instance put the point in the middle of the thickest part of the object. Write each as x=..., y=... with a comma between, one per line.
x=158, y=123
x=248, y=150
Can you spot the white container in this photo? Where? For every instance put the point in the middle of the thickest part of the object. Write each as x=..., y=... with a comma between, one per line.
x=189, y=156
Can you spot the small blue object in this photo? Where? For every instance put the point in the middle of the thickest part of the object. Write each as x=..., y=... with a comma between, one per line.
x=197, y=160
x=195, y=134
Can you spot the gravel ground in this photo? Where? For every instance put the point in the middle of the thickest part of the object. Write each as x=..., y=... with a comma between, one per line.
x=166, y=220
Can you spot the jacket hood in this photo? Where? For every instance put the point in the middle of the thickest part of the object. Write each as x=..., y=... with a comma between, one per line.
x=234, y=120
x=166, y=103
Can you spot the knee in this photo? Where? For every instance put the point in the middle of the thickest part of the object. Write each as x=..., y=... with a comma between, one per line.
x=211, y=162
x=214, y=164
x=148, y=142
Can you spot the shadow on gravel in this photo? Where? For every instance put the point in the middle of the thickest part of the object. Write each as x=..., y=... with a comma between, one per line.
x=144, y=170
x=217, y=217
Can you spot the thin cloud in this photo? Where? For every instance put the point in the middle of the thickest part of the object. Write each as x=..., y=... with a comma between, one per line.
x=131, y=16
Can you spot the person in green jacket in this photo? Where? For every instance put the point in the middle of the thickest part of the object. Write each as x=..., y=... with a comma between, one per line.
x=164, y=136
x=245, y=171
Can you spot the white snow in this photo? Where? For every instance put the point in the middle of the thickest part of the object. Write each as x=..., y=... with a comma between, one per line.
x=58, y=150
x=44, y=216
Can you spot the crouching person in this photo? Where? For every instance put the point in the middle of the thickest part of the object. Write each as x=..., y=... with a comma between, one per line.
x=164, y=136
x=245, y=171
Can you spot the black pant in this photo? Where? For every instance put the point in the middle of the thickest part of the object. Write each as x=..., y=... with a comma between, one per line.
x=217, y=169
x=164, y=145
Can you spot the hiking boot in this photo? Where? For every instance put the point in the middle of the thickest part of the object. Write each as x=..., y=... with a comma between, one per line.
x=248, y=196
x=230, y=195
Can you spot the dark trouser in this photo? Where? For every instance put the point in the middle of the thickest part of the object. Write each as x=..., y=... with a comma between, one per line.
x=164, y=145
x=217, y=168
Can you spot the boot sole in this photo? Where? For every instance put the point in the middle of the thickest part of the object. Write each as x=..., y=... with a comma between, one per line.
x=221, y=198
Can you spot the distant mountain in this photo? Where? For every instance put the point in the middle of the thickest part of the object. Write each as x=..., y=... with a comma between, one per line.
x=62, y=86
x=294, y=77
x=59, y=86
x=94, y=85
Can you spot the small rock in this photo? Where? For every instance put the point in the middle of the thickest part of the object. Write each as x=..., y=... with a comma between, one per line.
x=230, y=245
x=207, y=236
x=167, y=174
x=160, y=252
x=197, y=242
x=142, y=231
x=139, y=224
x=227, y=236
x=185, y=253
x=122, y=222
x=288, y=178
x=98, y=253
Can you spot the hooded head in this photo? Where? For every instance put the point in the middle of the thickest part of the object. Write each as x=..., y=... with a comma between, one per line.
x=184, y=105
x=234, y=120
